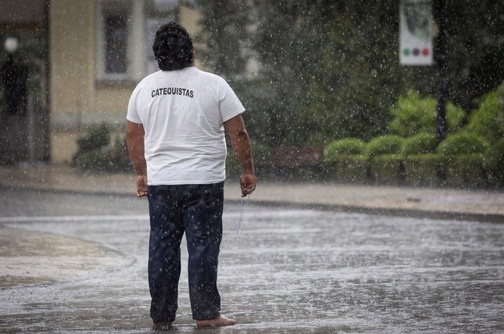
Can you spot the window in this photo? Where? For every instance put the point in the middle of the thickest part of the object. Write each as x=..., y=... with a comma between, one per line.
x=126, y=31
x=152, y=25
x=120, y=27
x=165, y=5
x=116, y=42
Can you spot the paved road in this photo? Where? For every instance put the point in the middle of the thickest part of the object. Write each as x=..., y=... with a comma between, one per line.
x=438, y=203
x=287, y=271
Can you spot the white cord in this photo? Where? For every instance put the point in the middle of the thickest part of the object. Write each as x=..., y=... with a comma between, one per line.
x=243, y=204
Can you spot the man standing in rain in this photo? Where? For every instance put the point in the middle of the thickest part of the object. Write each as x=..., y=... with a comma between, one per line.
x=175, y=127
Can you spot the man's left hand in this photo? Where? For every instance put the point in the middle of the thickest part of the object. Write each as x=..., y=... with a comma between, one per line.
x=247, y=183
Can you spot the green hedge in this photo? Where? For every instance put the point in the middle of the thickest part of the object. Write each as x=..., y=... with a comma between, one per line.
x=493, y=163
x=387, y=169
x=468, y=158
x=461, y=144
x=488, y=119
x=465, y=171
x=91, y=160
x=425, y=170
x=348, y=169
x=96, y=152
x=346, y=147
x=422, y=143
x=387, y=144
x=97, y=137
x=422, y=170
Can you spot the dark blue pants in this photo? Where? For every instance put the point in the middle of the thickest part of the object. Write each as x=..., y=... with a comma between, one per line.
x=197, y=211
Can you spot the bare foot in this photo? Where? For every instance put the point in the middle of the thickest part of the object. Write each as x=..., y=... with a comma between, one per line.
x=163, y=326
x=219, y=321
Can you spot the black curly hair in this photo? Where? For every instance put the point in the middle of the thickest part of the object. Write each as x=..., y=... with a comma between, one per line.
x=173, y=48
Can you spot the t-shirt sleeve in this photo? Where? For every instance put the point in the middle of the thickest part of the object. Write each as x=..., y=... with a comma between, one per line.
x=132, y=114
x=230, y=105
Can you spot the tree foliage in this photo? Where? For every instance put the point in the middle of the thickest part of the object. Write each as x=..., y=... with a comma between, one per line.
x=329, y=69
x=413, y=114
x=288, y=41
x=475, y=45
x=224, y=36
x=488, y=119
x=359, y=77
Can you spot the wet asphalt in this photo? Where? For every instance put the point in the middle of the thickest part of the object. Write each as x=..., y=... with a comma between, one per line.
x=290, y=269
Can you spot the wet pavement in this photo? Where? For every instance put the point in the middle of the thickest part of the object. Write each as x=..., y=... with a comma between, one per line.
x=74, y=259
x=437, y=203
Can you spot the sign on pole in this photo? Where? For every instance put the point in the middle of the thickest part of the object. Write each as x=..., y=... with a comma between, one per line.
x=415, y=32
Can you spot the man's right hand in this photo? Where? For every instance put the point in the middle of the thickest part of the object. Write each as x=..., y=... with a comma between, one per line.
x=141, y=185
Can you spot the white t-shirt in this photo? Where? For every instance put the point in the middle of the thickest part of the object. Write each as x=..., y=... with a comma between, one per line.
x=182, y=113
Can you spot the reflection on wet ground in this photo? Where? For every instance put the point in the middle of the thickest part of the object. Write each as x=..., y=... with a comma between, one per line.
x=287, y=271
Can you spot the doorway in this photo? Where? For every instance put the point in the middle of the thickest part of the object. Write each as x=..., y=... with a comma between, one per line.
x=24, y=89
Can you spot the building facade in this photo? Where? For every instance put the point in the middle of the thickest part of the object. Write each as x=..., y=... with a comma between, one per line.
x=85, y=58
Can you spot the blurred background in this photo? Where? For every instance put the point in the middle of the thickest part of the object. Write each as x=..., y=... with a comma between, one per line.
x=327, y=91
